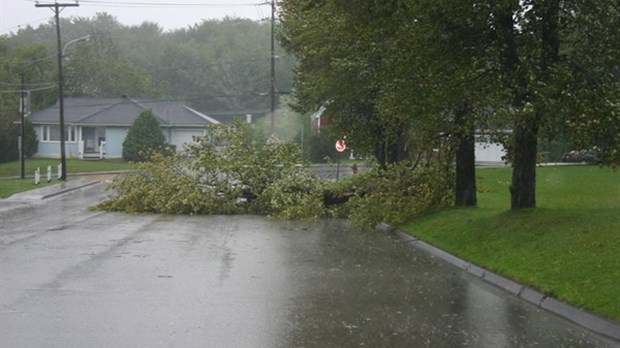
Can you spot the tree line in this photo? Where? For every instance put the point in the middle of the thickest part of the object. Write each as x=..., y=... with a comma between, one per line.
x=401, y=77
x=220, y=67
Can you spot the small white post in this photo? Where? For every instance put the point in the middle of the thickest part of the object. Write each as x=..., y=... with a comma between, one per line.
x=37, y=176
x=101, y=149
x=59, y=171
x=81, y=149
x=49, y=173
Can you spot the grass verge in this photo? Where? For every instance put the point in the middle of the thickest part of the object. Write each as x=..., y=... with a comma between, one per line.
x=9, y=185
x=568, y=247
x=12, y=169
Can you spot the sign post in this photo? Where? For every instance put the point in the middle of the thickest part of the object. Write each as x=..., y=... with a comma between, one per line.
x=340, y=147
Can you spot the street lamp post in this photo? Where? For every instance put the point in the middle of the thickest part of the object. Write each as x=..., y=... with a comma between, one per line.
x=61, y=104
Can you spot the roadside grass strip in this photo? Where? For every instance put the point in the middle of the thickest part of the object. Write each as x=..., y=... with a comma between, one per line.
x=567, y=248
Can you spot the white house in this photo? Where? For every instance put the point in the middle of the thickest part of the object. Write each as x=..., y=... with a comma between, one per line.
x=96, y=127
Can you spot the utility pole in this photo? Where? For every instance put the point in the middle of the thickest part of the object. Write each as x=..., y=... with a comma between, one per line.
x=272, y=91
x=61, y=103
x=22, y=165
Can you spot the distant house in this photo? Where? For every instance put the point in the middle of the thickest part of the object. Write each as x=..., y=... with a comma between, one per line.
x=96, y=127
x=486, y=150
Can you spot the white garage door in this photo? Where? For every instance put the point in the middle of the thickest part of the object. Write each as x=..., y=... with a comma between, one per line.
x=184, y=137
x=489, y=152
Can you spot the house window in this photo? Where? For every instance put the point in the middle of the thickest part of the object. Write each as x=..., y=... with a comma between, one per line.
x=52, y=133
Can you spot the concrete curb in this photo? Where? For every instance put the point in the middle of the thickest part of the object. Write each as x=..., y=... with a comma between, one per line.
x=606, y=327
x=50, y=191
x=70, y=188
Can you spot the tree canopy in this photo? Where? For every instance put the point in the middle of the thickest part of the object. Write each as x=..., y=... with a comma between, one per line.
x=396, y=73
x=219, y=67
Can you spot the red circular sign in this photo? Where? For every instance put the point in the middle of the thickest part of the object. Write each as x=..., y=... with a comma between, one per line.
x=340, y=145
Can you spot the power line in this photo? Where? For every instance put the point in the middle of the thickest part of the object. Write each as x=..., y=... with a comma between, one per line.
x=47, y=83
x=167, y=4
x=19, y=26
x=31, y=90
x=25, y=62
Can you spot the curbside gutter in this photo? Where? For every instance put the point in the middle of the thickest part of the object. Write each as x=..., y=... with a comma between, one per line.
x=50, y=191
x=603, y=326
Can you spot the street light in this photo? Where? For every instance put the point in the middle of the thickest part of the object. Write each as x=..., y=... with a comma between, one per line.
x=61, y=105
x=83, y=38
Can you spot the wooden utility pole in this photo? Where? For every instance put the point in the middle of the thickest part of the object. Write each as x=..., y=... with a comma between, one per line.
x=272, y=90
x=56, y=7
x=22, y=166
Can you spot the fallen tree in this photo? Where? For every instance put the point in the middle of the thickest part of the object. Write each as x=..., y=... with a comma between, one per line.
x=244, y=177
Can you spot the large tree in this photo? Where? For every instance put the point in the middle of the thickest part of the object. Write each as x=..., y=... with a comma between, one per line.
x=28, y=68
x=426, y=68
x=397, y=75
x=549, y=52
x=340, y=48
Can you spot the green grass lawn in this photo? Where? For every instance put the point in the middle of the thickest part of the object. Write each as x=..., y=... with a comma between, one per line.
x=9, y=187
x=73, y=166
x=567, y=247
x=8, y=171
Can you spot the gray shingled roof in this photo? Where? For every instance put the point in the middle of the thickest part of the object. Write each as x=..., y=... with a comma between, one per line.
x=120, y=112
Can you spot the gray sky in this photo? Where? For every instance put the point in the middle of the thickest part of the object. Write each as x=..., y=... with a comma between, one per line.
x=169, y=14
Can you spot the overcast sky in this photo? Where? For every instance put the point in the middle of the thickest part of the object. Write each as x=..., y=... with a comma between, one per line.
x=169, y=14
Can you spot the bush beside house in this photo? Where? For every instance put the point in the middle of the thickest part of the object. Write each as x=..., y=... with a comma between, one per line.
x=144, y=137
x=9, y=141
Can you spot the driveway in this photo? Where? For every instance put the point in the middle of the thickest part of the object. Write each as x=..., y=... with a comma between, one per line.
x=70, y=277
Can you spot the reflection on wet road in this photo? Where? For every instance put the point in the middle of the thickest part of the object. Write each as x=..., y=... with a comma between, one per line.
x=70, y=277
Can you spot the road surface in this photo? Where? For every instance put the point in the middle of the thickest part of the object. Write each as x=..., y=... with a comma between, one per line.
x=70, y=277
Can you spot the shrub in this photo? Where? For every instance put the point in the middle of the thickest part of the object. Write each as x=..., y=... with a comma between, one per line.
x=31, y=142
x=143, y=138
x=9, y=150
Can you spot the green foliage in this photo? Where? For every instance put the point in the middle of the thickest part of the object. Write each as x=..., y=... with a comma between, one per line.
x=162, y=186
x=399, y=193
x=220, y=66
x=320, y=146
x=340, y=67
x=143, y=138
x=395, y=74
x=299, y=196
x=228, y=172
x=30, y=62
x=8, y=142
x=97, y=68
x=225, y=172
x=31, y=141
x=9, y=139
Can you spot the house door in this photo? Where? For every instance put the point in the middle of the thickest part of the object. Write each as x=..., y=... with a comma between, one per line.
x=92, y=137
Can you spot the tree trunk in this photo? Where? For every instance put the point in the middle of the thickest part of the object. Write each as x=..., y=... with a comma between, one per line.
x=465, y=159
x=523, y=187
x=392, y=150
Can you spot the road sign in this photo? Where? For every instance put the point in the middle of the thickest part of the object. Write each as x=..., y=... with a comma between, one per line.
x=340, y=145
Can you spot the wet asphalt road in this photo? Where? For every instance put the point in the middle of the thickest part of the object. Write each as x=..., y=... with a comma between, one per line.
x=70, y=277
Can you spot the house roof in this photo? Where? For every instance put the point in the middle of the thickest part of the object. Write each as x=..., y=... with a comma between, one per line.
x=121, y=112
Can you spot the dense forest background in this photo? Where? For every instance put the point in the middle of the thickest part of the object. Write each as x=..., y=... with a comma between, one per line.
x=219, y=67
